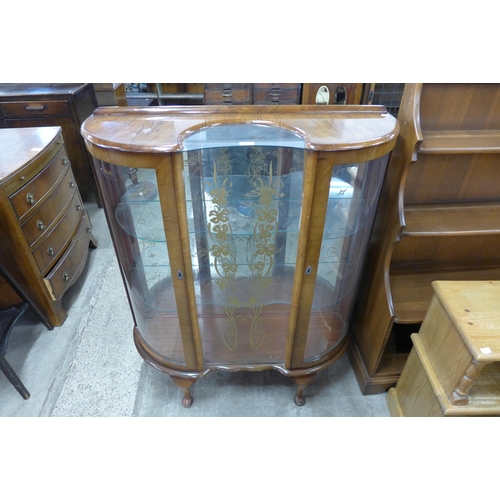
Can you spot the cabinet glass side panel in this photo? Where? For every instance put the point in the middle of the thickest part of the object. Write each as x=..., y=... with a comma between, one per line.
x=140, y=239
x=244, y=205
x=353, y=198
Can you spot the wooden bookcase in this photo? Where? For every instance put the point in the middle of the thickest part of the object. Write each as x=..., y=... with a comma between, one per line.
x=438, y=219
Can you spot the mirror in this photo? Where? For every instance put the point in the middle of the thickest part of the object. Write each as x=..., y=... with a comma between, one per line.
x=323, y=95
x=340, y=96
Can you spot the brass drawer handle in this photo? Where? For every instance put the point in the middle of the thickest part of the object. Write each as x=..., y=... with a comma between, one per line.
x=30, y=199
x=50, y=251
x=64, y=161
x=78, y=207
x=65, y=277
x=71, y=184
x=40, y=225
x=39, y=107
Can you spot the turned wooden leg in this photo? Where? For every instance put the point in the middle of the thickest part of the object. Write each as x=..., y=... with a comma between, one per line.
x=302, y=383
x=185, y=384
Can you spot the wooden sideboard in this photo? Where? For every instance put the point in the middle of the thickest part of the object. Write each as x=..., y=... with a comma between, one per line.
x=438, y=219
x=54, y=104
x=45, y=230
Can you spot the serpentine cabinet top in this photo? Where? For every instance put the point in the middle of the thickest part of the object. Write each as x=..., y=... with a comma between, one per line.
x=163, y=129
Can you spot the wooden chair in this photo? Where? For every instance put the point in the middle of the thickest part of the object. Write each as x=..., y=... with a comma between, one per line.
x=8, y=318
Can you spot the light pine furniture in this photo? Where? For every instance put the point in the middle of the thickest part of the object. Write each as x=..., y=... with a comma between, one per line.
x=66, y=105
x=110, y=94
x=45, y=230
x=454, y=366
x=240, y=230
x=438, y=219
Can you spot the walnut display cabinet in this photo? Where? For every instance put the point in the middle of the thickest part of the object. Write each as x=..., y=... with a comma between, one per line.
x=240, y=230
x=438, y=219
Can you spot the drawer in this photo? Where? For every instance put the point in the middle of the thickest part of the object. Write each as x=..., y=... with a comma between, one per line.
x=232, y=94
x=27, y=109
x=35, y=192
x=276, y=95
x=70, y=266
x=290, y=86
x=41, y=222
x=50, y=249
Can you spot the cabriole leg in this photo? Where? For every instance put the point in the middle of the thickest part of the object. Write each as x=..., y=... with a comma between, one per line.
x=302, y=383
x=185, y=384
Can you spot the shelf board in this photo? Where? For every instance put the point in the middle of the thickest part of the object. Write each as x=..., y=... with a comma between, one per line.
x=412, y=291
x=460, y=142
x=453, y=220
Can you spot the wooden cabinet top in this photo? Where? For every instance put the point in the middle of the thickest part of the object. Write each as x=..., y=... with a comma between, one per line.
x=164, y=129
x=38, y=89
x=473, y=307
x=20, y=146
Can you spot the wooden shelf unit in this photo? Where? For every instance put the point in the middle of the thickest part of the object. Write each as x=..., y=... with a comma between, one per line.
x=438, y=218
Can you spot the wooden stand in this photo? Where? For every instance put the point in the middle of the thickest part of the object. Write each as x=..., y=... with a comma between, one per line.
x=454, y=366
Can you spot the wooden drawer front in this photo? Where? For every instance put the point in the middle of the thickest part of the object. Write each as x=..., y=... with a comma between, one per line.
x=34, y=192
x=27, y=109
x=70, y=265
x=279, y=94
x=54, y=244
x=39, y=224
x=230, y=93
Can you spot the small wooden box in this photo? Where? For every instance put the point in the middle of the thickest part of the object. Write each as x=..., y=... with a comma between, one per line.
x=454, y=365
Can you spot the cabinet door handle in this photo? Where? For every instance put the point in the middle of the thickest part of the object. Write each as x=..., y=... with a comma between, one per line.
x=30, y=199
x=34, y=107
x=40, y=225
x=50, y=251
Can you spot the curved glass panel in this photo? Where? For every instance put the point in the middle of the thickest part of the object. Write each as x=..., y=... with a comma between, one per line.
x=354, y=191
x=139, y=237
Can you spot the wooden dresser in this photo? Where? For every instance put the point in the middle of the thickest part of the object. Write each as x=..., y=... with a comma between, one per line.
x=438, y=220
x=44, y=228
x=54, y=104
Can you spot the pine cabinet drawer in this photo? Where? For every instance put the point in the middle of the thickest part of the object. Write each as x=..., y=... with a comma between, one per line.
x=53, y=245
x=27, y=109
x=39, y=224
x=34, y=192
x=71, y=263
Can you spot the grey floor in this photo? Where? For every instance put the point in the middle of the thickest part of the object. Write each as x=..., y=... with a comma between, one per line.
x=89, y=367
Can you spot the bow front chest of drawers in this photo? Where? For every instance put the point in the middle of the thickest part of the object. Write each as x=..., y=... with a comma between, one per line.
x=44, y=228
x=64, y=105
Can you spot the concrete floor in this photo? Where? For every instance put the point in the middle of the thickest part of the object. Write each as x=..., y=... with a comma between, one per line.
x=90, y=366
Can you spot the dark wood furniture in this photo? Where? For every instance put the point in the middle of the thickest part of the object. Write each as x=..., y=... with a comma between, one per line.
x=8, y=319
x=54, y=104
x=240, y=233
x=252, y=93
x=439, y=219
x=332, y=93
x=45, y=230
